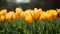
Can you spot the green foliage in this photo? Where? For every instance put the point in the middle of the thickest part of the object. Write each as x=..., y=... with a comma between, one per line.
x=37, y=27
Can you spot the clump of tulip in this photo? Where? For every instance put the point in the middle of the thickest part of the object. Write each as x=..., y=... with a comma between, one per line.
x=29, y=15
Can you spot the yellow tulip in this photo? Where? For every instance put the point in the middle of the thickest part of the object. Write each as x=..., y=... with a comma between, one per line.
x=28, y=16
x=2, y=18
x=18, y=11
x=9, y=16
x=58, y=10
x=48, y=16
x=32, y=13
x=45, y=16
x=54, y=13
x=15, y=16
x=37, y=13
x=29, y=19
x=42, y=17
x=3, y=12
x=11, y=12
x=23, y=15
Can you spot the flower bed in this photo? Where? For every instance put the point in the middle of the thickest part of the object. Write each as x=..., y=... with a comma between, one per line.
x=30, y=21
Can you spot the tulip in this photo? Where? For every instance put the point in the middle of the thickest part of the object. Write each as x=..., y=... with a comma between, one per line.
x=32, y=13
x=9, y=16
x=28, y=16
x=23, y=14
x=3, y=12
x=54, y=13
x=29, y=19
x=58, y=10
x=2, y=18
x=15, y=16
x=37, y=13
x=18, y=11
x=42, y=17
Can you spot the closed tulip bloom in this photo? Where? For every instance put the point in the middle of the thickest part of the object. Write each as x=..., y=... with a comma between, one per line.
x=4, y=11
x=2, y=18
x=1, y=13
x=29, y=19
x=27, y=12
x=23, y=14
x=42, y=17
x=15, y=16
x=28, y=16
x=9, y=15
x=32, y=13
x=48, y=16
x=11, y=12
x=54, y=13
x=39, y=13
x=58, y=10
x=18, y=11
x=35, y=13
x=45, y=16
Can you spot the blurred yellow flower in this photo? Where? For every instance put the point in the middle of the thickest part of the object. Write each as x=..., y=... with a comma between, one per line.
x=28, y=16
x=32, y=13
x=48, y=16
x=58, y=10
x=23, y=15
x=54, y=13
x=29, y=19
x=11, y=12
x=43, y=15
x=9, y=16
x=2, y=18
x=18, y=11
x=3, y=12
x=15, y=16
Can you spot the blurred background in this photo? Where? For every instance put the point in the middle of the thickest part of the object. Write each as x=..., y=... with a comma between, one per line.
x=29, y=4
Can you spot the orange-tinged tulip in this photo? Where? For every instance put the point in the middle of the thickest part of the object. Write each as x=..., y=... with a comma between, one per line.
x=15, y=16
x=1, y=13
x=36, y=13
x=54, y=13
x=29, y=19
x=58, y=10
x=40, y=12
x=32, y=13
x=43, y=15
x=27, y=13
x=4, y=11
x=28, y=16
x=23, y=14
x=18, y=11
x=8, y=17
x=48, y=16
x=2, y=18
x=11, y=12
x=54, y=16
